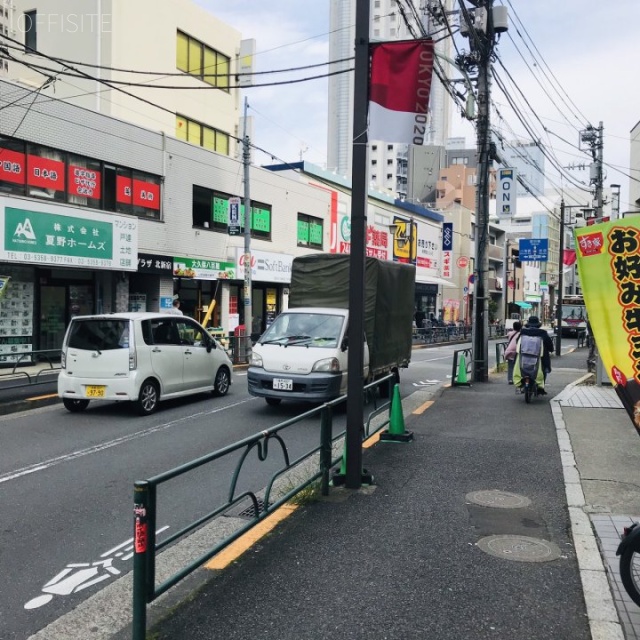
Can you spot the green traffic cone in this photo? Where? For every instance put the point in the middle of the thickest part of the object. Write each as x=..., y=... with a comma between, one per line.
x=396, y=431
x=461, y=378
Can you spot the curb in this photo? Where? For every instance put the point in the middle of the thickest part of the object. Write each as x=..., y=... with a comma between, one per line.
x=604, y=620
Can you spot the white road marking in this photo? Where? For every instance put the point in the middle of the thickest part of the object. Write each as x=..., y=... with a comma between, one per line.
x=47, y=464
x=448, y=357
x=77, y=576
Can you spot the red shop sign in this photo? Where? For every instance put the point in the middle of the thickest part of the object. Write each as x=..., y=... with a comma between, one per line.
x=45, y=173
x=141, y=193
x=146, y=194
x=83, y=182
x=12, y=166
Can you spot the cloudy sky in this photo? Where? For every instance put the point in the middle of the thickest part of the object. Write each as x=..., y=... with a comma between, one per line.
x=571, y=63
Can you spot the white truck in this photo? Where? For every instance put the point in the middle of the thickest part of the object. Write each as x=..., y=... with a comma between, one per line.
x=304, y=353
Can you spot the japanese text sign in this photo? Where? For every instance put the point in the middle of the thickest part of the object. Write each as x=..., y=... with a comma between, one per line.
x=609, y=265
x=533, y=249
x=52, y=236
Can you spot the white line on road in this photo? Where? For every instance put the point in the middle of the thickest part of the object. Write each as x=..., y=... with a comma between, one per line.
x=431, y=360
x=47, y=464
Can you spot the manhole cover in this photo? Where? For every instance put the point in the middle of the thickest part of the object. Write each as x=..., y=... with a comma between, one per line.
x=499, y=499
x=520, y=548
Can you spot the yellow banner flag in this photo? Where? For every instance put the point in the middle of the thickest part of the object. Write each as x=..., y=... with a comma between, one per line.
x=609, y=266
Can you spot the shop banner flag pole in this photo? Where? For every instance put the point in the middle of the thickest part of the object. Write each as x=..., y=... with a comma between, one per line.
x=608, y=256
x=399, y=90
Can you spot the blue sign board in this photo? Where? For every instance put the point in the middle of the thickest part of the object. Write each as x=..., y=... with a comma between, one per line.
x=166, y=302
x=447, y=236
x=534, y=249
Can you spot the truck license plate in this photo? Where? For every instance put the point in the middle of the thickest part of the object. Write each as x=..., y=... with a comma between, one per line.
x=95, y=391
x=283, y=384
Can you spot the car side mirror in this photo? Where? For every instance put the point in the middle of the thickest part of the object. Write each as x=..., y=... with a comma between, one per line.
x=210, y=345
x=345, y=344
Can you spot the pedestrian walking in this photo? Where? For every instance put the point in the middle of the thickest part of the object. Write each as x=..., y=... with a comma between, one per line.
x=175, y=309
x=510, y=350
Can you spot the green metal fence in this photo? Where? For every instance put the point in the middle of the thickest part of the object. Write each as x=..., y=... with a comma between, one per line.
x=146, y=547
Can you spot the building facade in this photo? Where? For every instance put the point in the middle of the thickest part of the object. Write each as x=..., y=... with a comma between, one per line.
x=100, y=215
x=182, y=43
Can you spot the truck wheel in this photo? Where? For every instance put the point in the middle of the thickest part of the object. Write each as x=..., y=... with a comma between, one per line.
x=273, y=402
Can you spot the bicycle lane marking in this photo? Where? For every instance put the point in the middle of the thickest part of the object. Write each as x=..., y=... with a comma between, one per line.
x=47, y=464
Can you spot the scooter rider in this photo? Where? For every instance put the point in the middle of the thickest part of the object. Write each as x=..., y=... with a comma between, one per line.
x=534, y=328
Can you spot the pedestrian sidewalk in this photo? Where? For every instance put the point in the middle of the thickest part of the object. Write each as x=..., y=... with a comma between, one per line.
x=497, y=521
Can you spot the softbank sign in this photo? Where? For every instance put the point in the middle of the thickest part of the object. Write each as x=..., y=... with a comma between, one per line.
x=265, y=266
x=399, y=90
x=506, y=192
x=36, y=21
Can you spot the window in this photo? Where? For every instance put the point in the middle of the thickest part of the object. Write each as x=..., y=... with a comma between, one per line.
x=202, y=135
x=210, y=210
x=45, y=173
x=374, y=163
x=84, y=181
x=199, y=60
x=30, y=30
x=310, y=231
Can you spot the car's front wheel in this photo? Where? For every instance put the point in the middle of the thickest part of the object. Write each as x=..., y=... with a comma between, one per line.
x=222, y=382
x=148, y=398
x=75, y=406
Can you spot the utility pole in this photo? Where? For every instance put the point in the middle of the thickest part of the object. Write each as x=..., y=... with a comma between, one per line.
x=355, y=358
x=248, y=313
x=599, y=172
x=479, y=28
x=560, y=284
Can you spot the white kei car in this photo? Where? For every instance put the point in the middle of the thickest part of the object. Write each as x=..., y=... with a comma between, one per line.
x=139, y=357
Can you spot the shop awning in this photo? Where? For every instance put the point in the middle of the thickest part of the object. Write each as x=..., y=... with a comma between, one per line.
x=523, y=305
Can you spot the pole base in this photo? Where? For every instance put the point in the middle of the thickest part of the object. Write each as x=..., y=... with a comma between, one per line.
x=387, y=436
x=339, y=479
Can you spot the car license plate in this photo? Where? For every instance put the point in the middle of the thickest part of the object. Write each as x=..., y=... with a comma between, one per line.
x=283, y=384
x=95, y=391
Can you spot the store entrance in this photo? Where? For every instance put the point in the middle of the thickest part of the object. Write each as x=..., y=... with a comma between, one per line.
x=52, y=316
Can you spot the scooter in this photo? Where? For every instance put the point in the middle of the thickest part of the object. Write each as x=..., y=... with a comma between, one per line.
x=629, y=552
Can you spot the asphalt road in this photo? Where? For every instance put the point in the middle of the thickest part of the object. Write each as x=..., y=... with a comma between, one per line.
x=67, y=484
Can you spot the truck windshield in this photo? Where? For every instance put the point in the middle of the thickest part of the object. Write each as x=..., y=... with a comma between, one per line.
x=304, y=329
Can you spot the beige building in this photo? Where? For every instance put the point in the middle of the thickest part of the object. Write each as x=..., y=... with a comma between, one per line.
x=183, y=43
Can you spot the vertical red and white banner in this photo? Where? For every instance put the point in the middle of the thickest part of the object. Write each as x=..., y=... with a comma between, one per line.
x=399, y=90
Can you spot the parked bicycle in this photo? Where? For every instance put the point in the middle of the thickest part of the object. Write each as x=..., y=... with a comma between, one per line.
x=629, y=552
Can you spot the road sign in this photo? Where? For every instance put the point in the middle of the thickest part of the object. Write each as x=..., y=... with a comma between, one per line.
x=533, y=249
x=462, y=262
x=233, y=224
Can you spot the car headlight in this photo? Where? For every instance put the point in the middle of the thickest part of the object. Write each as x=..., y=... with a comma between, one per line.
x=256, y=359
x=328, y=364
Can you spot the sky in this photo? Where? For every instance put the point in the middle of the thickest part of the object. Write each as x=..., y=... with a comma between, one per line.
x=572, y=63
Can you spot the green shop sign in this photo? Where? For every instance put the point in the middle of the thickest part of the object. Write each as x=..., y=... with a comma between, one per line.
x=260, y=218
x=200, y=269
x=108, y=242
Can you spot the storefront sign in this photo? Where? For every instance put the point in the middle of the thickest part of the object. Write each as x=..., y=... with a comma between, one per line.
x=506, y=196
x=83, y=182
x=45, y=173
x=49, y=234
x=12, y=166
x=265, y=266
x=152, y=263
x=377, y=240
x=137, y=192
x=233, y=222
x=447, y=248
x=200, y=269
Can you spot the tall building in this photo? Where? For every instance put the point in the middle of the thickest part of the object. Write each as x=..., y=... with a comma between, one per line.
x=388, y=170
x=109, y=40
